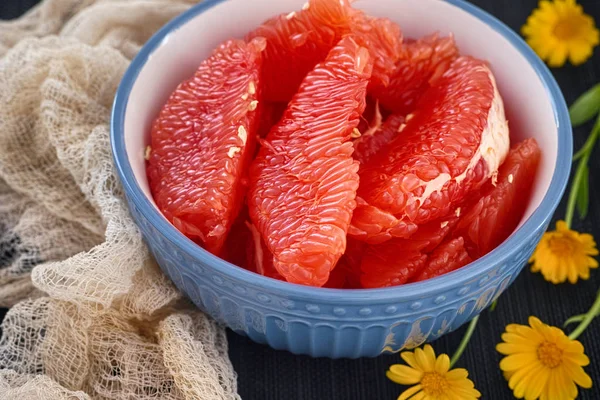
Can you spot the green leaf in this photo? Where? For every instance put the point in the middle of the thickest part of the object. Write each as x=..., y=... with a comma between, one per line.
x=586, y=106
x=583, y=197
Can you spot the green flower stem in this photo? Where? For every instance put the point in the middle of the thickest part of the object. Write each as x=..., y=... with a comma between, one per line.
x=494, y=305
x=584, y=156
x=465, y=340
x=589, y=317
x=575, y=189
x=587, y=146
x=574, y=319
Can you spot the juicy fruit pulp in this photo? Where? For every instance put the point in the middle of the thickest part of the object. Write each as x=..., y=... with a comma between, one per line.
x=374, y=139
x=398, y=260
x=303, y=182
x=203, y=141
x=297, y=41
x=502, y=202
x=454, y=142
x=380, y=162
x=422, y=61
x=449, y=256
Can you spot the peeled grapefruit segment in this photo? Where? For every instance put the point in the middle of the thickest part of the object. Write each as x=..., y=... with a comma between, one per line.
x=297, y=41
x=455, y=141
x=449, y=256
x=372, y=225
x=390, y=264
x=398, y=260
x=203, y=141
x=430, y=235
x=422, y=61
x=494, y=216
x=303, y=182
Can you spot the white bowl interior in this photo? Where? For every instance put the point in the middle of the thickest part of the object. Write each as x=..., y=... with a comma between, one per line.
x=528, y=107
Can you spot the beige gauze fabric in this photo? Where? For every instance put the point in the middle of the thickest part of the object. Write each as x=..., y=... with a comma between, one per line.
x=92, y=316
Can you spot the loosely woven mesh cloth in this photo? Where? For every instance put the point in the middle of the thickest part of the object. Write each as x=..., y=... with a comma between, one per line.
x=92, y=316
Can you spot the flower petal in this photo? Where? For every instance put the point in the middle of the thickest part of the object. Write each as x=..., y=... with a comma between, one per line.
x=561, y=226
x=522, y=374
x=517, y=361
x=466, y=393
x=404, y=375
x=567, y=370
x=510, y=348
x=537, y=383
x=561, y=383
x=457, y=374
x=442, y=364
x=410, y=392
x=421, y=396
x=424, y=361
x=409, y=358
x=429, y=352
x=580, y=377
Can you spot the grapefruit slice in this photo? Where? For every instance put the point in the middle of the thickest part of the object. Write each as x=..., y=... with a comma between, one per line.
x=422, y=61
x=297, y=41
x=203, y=141
x=449, y=256
x=373, y=225
x=455, y=141
x=390, y=264
x=303, y=182
x=398, y=260
x=502, y=203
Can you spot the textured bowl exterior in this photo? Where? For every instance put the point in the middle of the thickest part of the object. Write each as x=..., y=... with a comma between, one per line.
x=328, y=322
x=305, y=325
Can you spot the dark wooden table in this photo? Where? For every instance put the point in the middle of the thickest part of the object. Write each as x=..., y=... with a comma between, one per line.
x=268, y=374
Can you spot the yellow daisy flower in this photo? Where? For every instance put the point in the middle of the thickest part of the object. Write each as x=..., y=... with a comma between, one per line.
x=564, y=254
x=559, y=29
x=542, y=362
x=431, y=377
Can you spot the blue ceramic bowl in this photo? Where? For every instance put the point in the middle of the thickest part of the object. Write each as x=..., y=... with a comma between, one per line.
x=329, y=322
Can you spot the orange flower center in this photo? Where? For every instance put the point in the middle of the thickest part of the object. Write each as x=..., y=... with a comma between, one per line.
x=562, y=246
x=434, y=384
x=549, y=354
x=568, y=27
